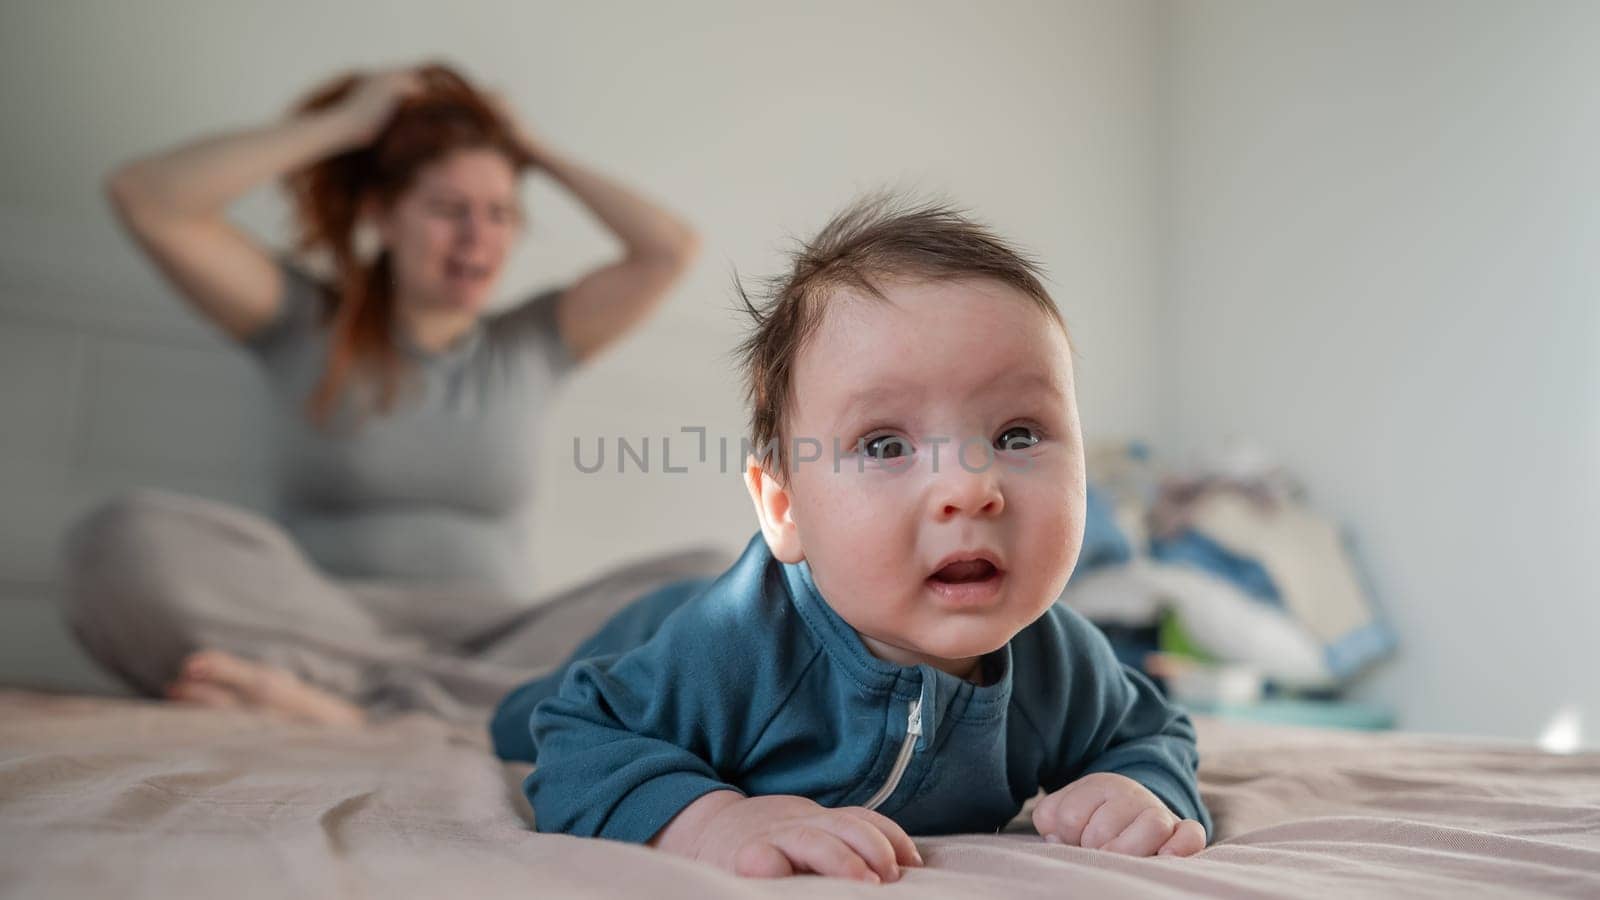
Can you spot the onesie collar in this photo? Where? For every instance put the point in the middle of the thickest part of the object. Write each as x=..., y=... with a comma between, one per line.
x=943, y=694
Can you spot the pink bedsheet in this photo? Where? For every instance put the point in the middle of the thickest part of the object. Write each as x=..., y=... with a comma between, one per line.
x=119, y=798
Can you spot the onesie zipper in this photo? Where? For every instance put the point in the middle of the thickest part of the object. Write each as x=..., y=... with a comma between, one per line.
x=913, y=731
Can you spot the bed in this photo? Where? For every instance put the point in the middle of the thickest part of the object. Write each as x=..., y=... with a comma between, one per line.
x=117, y=797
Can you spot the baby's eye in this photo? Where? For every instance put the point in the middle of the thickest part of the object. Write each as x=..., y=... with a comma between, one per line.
x=887, y=446
x=1017, y=437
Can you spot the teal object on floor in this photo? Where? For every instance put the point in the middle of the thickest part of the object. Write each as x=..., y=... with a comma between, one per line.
x=1306, y=713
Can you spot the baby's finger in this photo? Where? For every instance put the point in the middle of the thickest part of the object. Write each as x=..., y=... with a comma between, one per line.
x=761, y=859
x=813, y=849
x=1065, y=819
x=1146, y=834
x=905, y=849
x=1187, y=839
x=865, y=839
x=1089, y=787
x=1110, y=820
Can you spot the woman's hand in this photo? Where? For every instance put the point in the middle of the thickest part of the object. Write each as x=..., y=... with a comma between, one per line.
x=174, y=202
x=772, y=837
x=368, y=107
x=658, y=247
x=1106, y=811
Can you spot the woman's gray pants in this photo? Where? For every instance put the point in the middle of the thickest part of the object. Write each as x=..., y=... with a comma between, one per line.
x=152, y=577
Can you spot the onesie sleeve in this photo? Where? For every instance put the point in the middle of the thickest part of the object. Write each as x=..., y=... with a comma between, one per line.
x=630, y=740
x=1115, y=720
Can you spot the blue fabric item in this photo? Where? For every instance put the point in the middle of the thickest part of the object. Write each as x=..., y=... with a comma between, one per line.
x=1192, y=548
x=1132, y=643
x=1350, y=653
x=753, y=683
x=1104, y=544
x=1359, y=648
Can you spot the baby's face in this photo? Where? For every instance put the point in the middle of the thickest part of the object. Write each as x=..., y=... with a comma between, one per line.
x=956, y=513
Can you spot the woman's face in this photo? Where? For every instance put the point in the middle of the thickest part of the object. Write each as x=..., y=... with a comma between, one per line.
x=449, y=233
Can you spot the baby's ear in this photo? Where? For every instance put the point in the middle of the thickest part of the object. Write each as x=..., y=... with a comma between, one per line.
x=774, y=510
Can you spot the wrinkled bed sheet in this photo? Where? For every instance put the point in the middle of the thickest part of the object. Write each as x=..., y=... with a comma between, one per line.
x=115, y=797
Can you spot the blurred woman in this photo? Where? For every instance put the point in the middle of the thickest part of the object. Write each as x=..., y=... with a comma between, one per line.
x=396, y=575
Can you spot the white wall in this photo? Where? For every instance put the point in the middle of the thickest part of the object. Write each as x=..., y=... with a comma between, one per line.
x=1382, y=257
x=754, y=119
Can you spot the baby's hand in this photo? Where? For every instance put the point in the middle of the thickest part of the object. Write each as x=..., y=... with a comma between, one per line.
x=1105, y=811
x=771, y=837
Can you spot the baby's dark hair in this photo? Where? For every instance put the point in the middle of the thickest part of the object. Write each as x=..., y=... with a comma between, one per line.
x=881, y=236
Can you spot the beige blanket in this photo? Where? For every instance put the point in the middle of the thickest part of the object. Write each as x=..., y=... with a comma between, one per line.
x=119, y=798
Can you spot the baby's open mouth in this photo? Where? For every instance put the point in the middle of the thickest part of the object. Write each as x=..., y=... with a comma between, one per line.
x=966, y=571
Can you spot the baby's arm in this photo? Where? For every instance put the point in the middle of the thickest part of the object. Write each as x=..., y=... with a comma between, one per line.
x=617, y=759
x=1124, y=778
x=641, y=748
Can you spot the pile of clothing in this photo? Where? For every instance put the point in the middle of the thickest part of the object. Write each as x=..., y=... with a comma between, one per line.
x=1224, y=571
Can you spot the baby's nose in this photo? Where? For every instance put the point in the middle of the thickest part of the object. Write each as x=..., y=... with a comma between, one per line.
x=966, y=493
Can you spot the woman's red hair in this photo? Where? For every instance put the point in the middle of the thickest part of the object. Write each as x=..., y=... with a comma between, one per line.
x=329, y=197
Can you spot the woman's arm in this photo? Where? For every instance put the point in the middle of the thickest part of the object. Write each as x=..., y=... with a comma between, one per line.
x=657, y=247
x=174, y=203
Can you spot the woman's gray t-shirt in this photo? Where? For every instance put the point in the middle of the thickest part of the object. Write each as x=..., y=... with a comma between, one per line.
x=439, y=489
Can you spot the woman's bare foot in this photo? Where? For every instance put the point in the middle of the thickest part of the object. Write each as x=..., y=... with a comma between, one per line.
x=221, y=680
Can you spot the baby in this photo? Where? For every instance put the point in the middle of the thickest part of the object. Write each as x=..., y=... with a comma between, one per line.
x=887, y=657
